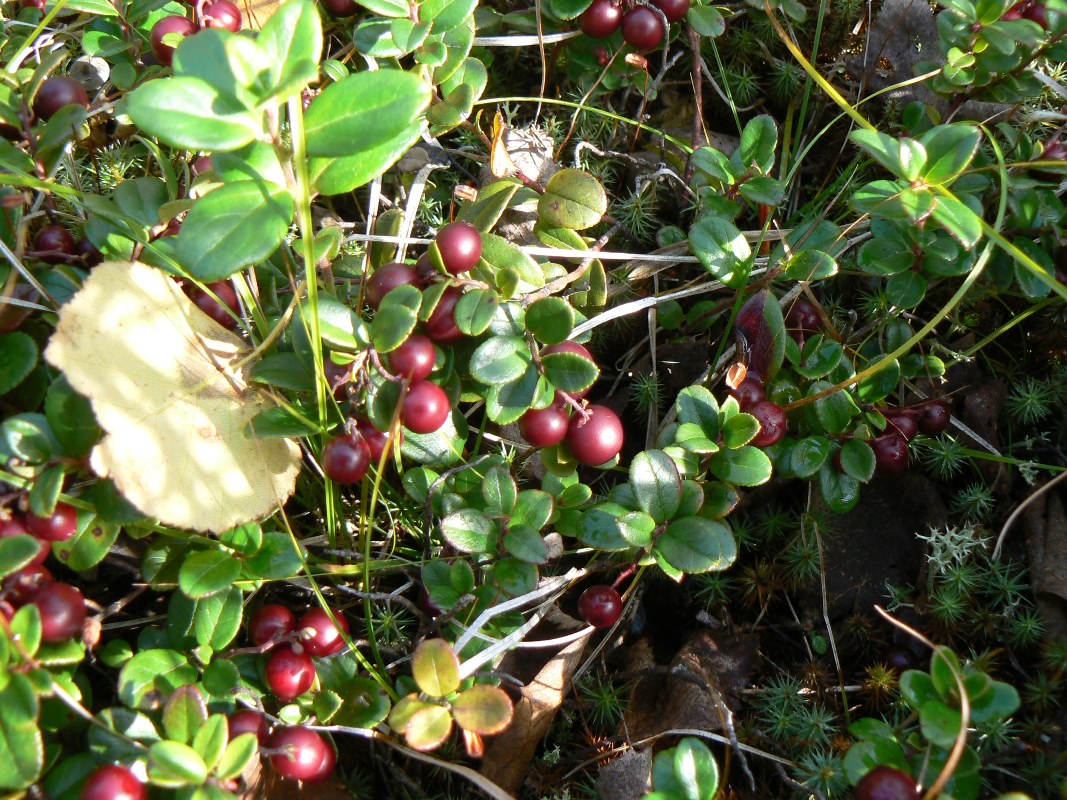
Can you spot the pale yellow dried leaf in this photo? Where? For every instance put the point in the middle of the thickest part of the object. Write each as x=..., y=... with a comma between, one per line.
x=160, y=375
x=256, y=12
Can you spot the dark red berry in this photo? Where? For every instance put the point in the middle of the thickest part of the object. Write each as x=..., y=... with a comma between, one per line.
x=1036, y=12
x=338, y=9
x=58, y=92
x=113, y=782
x=414, y=358
x=20, y=586
x=595, y=440
x=749, y=392
x=221, y=14
x=248, y=720
x=803, y=317
x=642, y=28
x=200, y=164
x=54, y=244
x=1017, y=11
x=601, y=19
x=180, y=25
x=375, y=439
x=306, y=755
x=885, y=783
x=441, y=326
x=345, y=458
x=325, y=637
x=772, y=423
x=62, y=610
x=425, y=407
x=673, y=10
x=460, y=246
x=570, y=347
x=271, y=621
x=600, y=606
x=890, y=453
x=935, y=418
x=544, y=427
x=288, y=673
x=87, y=252
x=16, y=525
x=386, y=278
x=903, y=421
x=57, y=528
x=220, y=312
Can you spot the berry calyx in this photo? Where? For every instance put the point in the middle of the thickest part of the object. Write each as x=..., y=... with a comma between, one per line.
x=113, y=782
x=601, y=19
x=886, y=783
x=890, y=453
x=269, y=622
x=221, y=14
x=345, y=458
x=773, y=424
x=935, y=418
x=460, y=246
x=425, y=407
x=414, y=358
x=62, y=609
x=673, y=10
x=544, y=427
x=288, y=673
x=319, y=635
x=58, y=92
x=54, y=244
x=596, y=440
x=600, y=606
x=248, y=720
x=642, y=28
x=59, y=527
x=220, y=312
x=174, y=24
x=441, y=326
x=387, y=277
x=305, y=755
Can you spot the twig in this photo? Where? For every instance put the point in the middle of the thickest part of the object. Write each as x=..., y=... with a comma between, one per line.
x=1019, y=510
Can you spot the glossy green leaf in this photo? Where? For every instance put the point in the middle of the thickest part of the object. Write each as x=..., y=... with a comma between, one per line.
x=739, y=430
x=697, y=544
x=809, y=455
x=16, y=552
x=20, y=738
x=570, y=372
x=190, y=114
x=533, y=508
x=636, y=528
x=747, y=466
x=880, y=385
x=435, y=667
x=482, y=709
x=475, y=311
x=599, y=527
x=70, y=415
x=1000, y=703
x=156, y=671
x=573, y=199
x=175, y=764
x=89, y=546
x=446, y=14
x=697, y=405
x=940, y=724
x=857, y=460
x=291, y=40
x=721, y=248
x=184, y=713
x=834, y=411
x=841, y=492
x=499, y=490
x=364, y=703
x=20, y=357
x=500, y=359
x=550, y=320
x=207, y=572
x=428, y=728
x=525, y=544
x=657, y=486
x=950, y=150
x=959, y=220
x=237, y=756
x=493, y=200
x=695, y=769
x=469, y=531
x=26, y=625
x=759, y=140
x=396, y=318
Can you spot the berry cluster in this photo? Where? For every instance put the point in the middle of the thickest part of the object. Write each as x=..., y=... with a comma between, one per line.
x=752, y=398
x=593, y=435
x=213, y=14
x=61, y=606
x=642, y=26
x=891, y=448
x=289, y=670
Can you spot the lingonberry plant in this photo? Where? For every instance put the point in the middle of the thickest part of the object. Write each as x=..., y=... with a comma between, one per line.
x=314, y=376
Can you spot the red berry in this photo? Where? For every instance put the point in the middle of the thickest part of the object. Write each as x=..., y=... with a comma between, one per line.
x=772, y=423
x=325, y=638
x=414, y=358
x=600, y=606
x=339, y=9
x=57, y=528
x=58, y=92
x=200, y=164
x=221, y=14
x=673, y=10
x=307, y=755
x=544, y=427
x=886, y=783
x=803, y=317
x=174, y=24
x=38, y=4
x=749, y=392
x=113, y=782
x=288, y=673
x=210, y=306
x=87, y=252
x=595, y=440
x=62, y=610
x=441, y=326
x=890, y=453
x=935, y=418
x=460, y=246
x=642, y=28
x=54, y=244
x=1036, y=12
x=902, y=421
x=15, y=525
x=271, y=621
x=375, y=439
x=570, y=347
x=1017, y=11
x=345, y=458
x=20, y=586
x=386, y=278
x=248, y=720
x=425, y=407
x=601, y=19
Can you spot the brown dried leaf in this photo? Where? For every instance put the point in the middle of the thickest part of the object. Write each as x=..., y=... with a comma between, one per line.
x=162, y=380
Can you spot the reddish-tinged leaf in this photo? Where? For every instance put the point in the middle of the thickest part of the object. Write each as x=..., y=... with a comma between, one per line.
x=761, y=324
